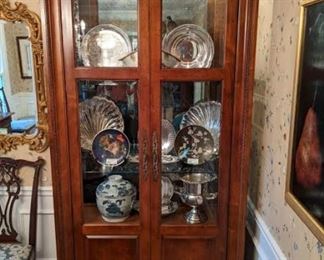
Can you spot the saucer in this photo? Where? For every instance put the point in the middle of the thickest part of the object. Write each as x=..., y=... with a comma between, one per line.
x=169, y=208
x=169, y=159
x=165, y=209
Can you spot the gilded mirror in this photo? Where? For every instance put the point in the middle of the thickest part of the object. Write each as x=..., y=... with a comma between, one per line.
x=23, y=104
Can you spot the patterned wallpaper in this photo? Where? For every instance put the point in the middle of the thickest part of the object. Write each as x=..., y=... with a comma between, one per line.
x=274, y=82
x=17, y=84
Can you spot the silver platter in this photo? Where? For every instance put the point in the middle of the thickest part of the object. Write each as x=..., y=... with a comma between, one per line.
x=208, y=115
x=168, y=158
x=104, y=45
x=168, y=136
x=97, y=114
x=191, y=45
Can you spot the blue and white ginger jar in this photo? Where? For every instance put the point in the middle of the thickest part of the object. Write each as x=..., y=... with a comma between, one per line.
x=115, y=198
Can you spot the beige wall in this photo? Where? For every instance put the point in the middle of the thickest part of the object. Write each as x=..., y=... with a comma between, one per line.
x=23, y=152
x=275, y=65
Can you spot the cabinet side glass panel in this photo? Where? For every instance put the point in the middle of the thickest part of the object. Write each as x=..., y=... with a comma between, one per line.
x=105, y=33
x=108, y=113
x=193, y=33
x=190, y=132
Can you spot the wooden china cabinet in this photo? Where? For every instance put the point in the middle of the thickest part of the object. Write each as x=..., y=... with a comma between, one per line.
x=157, y=62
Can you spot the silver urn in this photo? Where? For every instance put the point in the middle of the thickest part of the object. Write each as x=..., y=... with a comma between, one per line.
x=193, y=193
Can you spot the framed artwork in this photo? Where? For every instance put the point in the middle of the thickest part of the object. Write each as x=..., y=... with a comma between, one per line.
x=305, y=180
x=25, y=57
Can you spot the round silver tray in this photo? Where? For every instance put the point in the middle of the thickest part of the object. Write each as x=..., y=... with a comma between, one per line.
x=191, y=45
x=104, y=45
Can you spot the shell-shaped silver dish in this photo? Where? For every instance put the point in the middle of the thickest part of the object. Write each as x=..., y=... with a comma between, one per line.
x=168, y=136
x=97, y=114
x=208, y=115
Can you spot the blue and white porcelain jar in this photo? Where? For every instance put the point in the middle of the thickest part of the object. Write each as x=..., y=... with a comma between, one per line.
x=115, y=198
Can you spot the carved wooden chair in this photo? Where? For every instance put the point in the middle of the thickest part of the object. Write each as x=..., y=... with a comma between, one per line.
x=10, y=247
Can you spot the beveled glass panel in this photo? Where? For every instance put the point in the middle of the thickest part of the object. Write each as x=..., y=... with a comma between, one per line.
x=108, y=113
x=105, y=33
x=193, y=33
x=190, y=132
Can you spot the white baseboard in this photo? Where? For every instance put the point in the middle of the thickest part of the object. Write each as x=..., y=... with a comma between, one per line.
x=265, y=245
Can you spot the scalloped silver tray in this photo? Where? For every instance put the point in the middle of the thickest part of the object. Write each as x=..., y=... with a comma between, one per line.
x=97, y=114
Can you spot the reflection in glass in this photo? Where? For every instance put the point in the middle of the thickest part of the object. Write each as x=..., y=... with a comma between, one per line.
x=193, y=33
x=108, y=132
x=190, y=124
x=115, y=38
x=315, y=36
x=17, y=87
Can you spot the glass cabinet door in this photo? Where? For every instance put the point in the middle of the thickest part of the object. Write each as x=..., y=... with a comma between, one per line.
x=105, y=33
x=107, y=103
x=192, y=57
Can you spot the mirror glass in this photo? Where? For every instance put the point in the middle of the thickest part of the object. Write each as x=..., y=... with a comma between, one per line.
x=18, y=112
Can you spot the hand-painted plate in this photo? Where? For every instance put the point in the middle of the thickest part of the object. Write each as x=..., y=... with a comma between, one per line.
x=208, y=115
x=194, y=144
x=110, y=147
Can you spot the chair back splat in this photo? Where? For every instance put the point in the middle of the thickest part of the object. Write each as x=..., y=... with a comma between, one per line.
x=11, y=181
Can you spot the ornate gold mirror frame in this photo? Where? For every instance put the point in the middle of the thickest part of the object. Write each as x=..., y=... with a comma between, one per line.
x=295, y=203
x=39, y=140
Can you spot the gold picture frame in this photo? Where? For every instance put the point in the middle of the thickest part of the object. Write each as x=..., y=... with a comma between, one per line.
x=38, y=141
x=303, y=211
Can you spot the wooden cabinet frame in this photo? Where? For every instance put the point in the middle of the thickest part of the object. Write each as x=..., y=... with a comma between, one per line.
x=237, y=78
